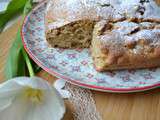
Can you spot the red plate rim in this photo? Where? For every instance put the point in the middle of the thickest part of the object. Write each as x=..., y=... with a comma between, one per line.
x=93, y=87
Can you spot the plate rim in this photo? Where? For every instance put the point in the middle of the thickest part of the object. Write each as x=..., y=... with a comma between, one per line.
x=70, y=80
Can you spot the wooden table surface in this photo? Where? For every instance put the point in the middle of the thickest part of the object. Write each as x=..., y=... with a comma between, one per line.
x=134, y=106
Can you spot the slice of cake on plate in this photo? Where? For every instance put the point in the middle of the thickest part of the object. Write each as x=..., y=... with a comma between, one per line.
x=121, y=34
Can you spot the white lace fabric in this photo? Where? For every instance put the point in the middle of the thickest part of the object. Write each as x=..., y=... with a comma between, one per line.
x=83, y=102
x=80, y=98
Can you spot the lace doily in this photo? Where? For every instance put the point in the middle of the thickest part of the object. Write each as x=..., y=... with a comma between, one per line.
x=80, y=98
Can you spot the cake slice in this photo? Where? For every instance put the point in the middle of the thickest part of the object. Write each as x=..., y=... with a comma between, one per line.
x=126, y=44
x=121, y=34
x=72, y=35
x=70, y=23
x=130, y=42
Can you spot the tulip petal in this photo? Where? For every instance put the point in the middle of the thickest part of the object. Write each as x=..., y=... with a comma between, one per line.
x=15, y=106
x=33, y=82
x=52, y=108
x=59, y=84
x=5, y=102
x=8, y=91
x=16, y=111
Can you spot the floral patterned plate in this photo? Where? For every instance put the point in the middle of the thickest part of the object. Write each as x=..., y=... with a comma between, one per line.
x=76, y=66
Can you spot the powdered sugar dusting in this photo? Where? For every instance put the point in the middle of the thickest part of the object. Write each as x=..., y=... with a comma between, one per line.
x=64, y=12
x=73, y=10
x=51, y=59
x=134, y=31
x=144, y=31
x=125, y=27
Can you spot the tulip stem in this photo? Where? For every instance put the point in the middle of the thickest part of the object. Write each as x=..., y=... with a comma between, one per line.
x=28, y=63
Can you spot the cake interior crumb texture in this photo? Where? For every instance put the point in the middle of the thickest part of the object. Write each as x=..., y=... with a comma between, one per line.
x=73, y=35
x=121, y=34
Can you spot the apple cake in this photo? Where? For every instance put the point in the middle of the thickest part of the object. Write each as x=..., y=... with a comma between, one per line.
x=121, y=34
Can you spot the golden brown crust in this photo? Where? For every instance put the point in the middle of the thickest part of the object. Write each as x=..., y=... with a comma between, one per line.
x=115, y=51
x=126, y=34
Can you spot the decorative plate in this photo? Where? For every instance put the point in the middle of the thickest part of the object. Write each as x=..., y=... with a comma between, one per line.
x=76, y=66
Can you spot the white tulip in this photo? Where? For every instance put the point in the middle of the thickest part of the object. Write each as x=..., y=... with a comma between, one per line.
x=25, y=98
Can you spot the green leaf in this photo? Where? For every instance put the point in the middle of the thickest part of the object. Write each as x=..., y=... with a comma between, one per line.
x=22, y=68
x=18, y=62
x=28, y=7
x=28, y=63
x=36, y=68
x=14, y=8
x=15, y=65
